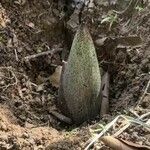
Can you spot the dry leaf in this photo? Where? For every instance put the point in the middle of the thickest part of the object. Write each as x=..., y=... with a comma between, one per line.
x=139, y=147
x=55, y=77
x=118, y=144
x=105, y=94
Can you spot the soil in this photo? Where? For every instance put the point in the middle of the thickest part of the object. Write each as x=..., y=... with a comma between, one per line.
x=27, y=97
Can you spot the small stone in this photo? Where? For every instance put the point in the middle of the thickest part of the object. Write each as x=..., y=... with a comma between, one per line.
x=28, y=125
x=25, y=135
x=40, y=88
x=3, y=126
x=100, y=42
x=2, y=82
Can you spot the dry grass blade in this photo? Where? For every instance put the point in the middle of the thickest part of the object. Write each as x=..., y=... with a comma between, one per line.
x=144, y=115
x=145, y=92
x=108, y=126
x=121, y=130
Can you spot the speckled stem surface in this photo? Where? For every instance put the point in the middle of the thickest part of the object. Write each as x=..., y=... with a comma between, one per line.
x=81, y=79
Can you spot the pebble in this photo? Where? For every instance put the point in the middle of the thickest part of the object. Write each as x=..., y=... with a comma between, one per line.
x=3, y=126
x=25, y=135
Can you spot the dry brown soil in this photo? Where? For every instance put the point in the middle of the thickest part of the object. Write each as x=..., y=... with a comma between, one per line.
x=26, y=97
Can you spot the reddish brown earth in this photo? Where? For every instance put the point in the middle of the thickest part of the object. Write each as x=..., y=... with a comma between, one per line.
x=26, y=97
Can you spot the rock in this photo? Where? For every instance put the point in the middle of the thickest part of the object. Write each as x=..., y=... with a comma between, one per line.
x=25, y=135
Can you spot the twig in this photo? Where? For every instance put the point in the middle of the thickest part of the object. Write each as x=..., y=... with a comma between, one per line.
x=145, y=92
x=61, y=117
x=16, y=55
x=27, y=58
